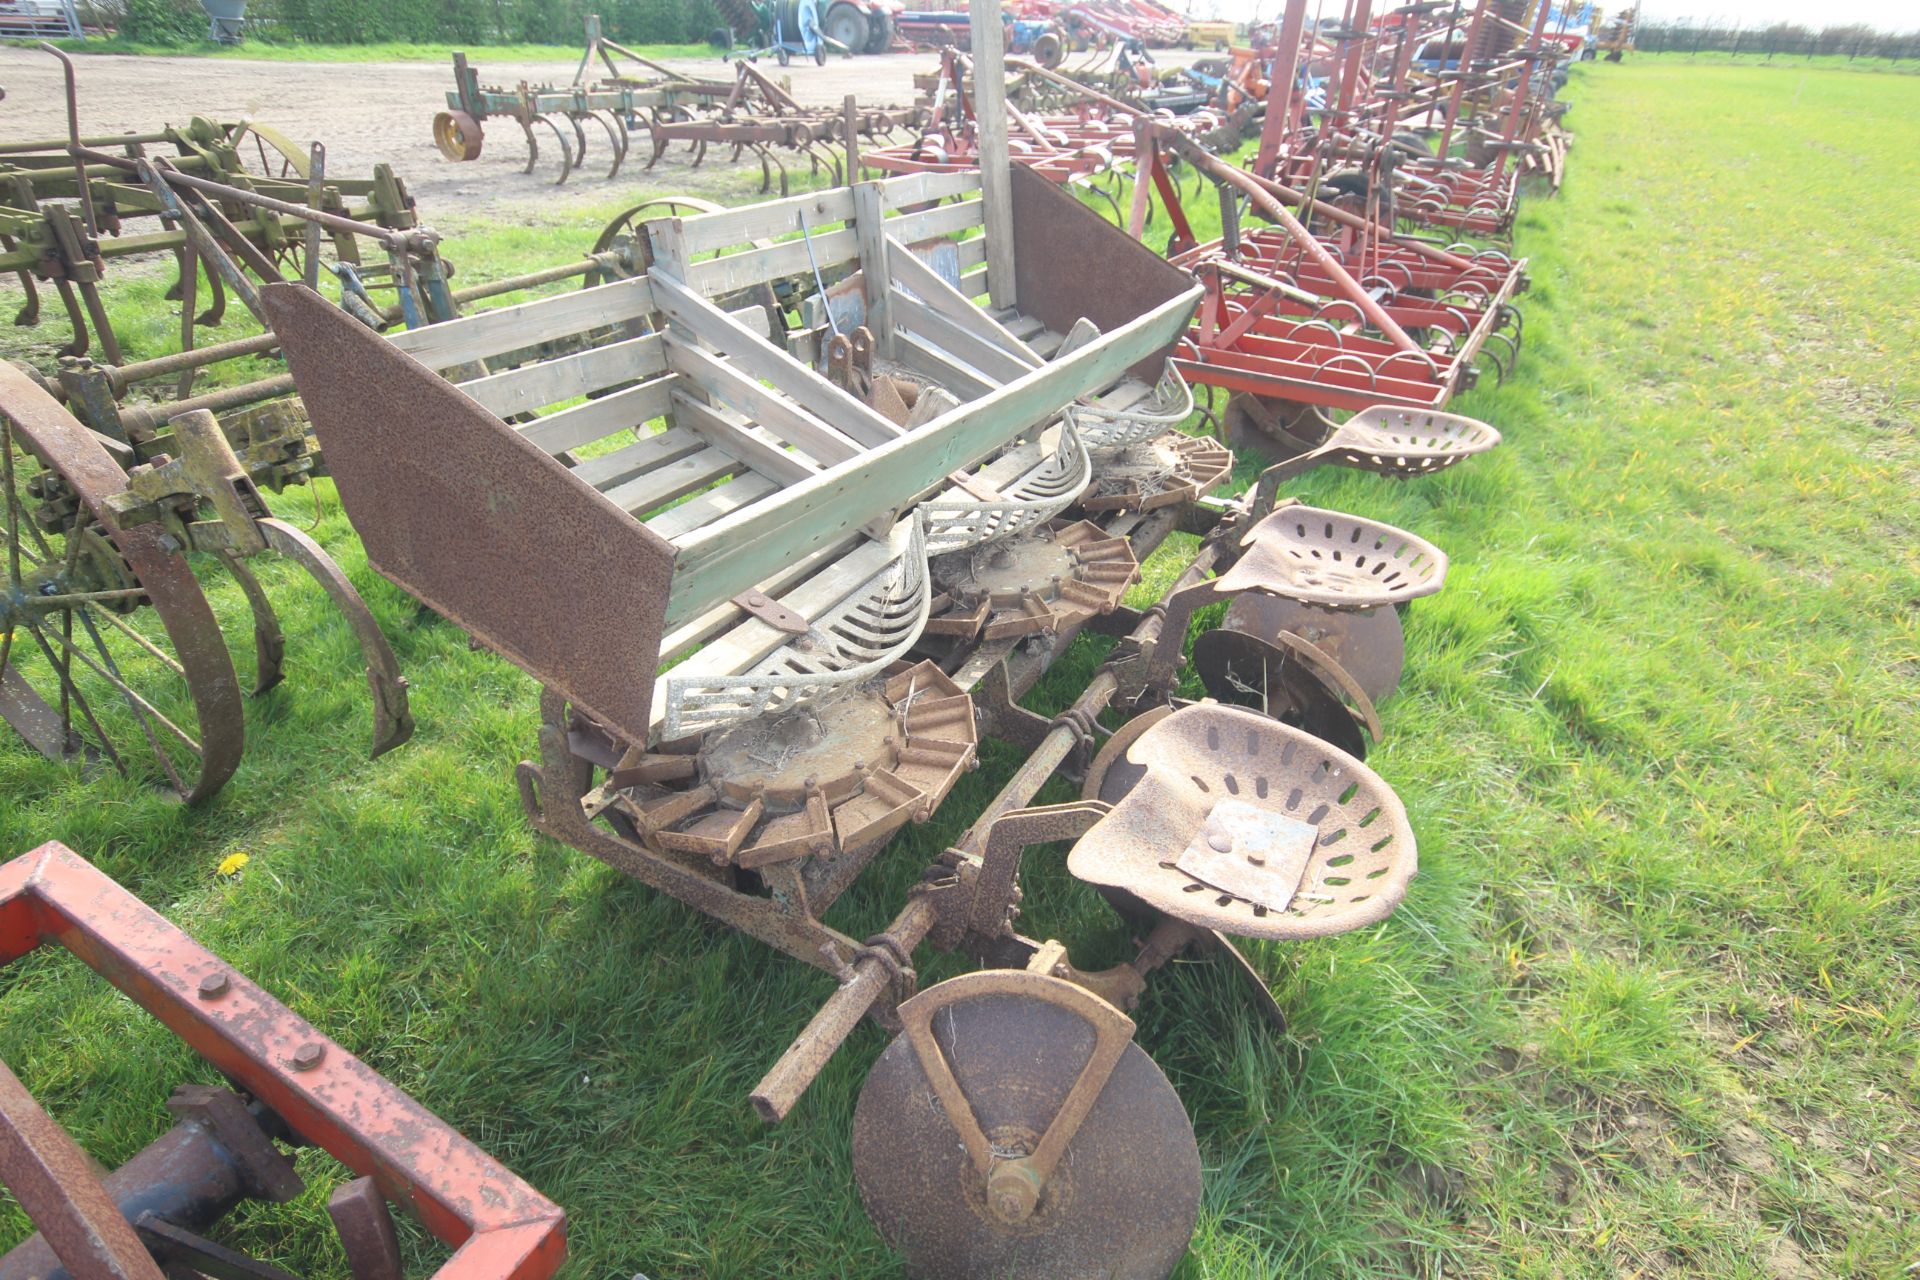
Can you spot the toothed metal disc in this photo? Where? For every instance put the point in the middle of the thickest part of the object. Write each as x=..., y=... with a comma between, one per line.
x=1121, y=1204
x=1369, y=643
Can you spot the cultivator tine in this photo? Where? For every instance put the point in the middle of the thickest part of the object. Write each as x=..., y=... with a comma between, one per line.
x=316, y=181
x=81, y=340
x=616, y=139
x=392, y=719
x=189, y=287
x=29, y=312
x=269, y=641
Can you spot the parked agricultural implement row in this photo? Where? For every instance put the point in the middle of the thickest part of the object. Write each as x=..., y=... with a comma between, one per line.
x=1080, y=134
x=77, y=203
x=773, y=631
x=750, y=113
x=1347, y=109
x=764, y=119
x=287, y=1086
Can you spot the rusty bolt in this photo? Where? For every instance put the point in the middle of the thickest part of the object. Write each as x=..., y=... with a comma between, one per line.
x=308, y=1056
x=213, y=986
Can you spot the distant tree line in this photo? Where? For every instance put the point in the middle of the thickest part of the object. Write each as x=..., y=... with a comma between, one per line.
x=476, y=22
x=1782, y=39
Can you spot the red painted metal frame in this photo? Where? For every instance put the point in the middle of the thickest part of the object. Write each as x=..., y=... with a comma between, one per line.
x=499, y=1227
x=1366, y=107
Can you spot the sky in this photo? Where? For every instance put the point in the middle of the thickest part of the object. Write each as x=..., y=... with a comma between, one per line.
x=1888, y=15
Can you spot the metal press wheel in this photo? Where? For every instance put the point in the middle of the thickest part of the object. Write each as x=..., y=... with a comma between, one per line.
x=109, y=652
x=458, y=135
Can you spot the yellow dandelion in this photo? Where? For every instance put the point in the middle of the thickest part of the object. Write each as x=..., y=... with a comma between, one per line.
x=231, y=864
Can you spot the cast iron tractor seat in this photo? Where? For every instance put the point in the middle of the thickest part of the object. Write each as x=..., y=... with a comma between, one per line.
x=1230, y=820
x=1314, y=591
x=1386, y=440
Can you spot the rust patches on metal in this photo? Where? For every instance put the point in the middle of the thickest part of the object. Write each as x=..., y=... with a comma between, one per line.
x=477, y=522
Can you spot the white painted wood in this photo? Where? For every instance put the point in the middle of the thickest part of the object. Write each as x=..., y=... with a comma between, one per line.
x=539, y=385
x=965, y=344
x=630, y=409
x=990, y=113
x=732, y=271
x=934, y=291
x=705, y=232
x=736, y=493
x=781, y=416
x=733, y=553
x=917, y=188
x=941, y=366
x=622, y=465
x=875, y=272
x=676, y=479
x=739, y=437
x=490, y=333
x=758, y=359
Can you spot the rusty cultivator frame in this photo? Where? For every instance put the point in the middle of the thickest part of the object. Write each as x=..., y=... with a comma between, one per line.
x=70, y=206
x=778, y=576
x=287, y=1086
x=110, y=653
x=749, y=114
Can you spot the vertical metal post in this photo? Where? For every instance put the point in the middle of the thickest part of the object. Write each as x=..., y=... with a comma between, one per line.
x=1520, y=93
x=850, y=117
x=1286, y=66
x=990, y=120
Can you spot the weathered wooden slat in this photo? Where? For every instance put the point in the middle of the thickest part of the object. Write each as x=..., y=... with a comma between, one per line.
x=928, y=224
x=676, y=479
x=964, y=341
x=711, y=505
x=538, y=385
x=622, y=465
x=758, y=359
x=831, y=247
x=917, y=188
x=973, y=282
x=731, y=271
x=476, y=337
x=935, y=293
x=739, y=437
x=990, y=110
x=733, y=553
x=709, y=231
x=596, y=419
x=786, y=420
x=959, y=377
x=875, y=268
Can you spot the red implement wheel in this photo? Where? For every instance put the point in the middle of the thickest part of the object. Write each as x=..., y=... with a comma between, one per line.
x=458, y=135
x=86, y=672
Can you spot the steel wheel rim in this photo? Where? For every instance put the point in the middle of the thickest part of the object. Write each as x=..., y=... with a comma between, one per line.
x=86, y=673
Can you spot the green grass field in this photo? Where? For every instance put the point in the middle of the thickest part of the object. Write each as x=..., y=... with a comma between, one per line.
x=1649, y=1010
